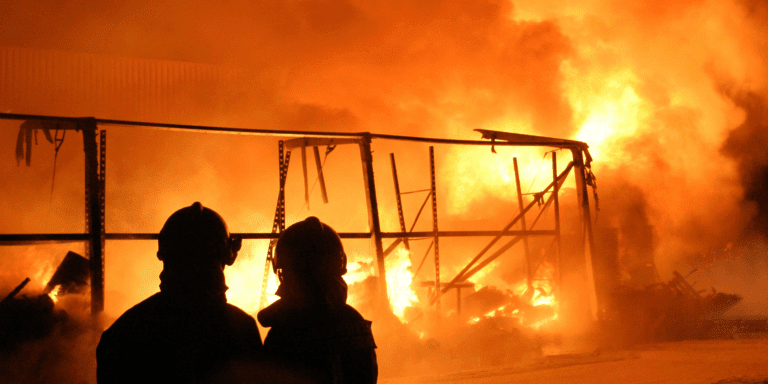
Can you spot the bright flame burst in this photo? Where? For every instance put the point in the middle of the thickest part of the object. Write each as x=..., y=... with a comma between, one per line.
x=490, y=174
x=54, y=294
x=399, y=279
x=607, y=107
x=244, y=280
x=355, y=273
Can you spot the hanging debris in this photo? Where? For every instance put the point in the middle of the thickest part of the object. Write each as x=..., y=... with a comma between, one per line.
x=71, y=276
x=29, y=128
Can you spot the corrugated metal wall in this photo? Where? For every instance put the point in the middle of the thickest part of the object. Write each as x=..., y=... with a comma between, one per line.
x=76, y=84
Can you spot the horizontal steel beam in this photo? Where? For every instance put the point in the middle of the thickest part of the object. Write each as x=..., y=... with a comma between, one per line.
x=467, y=233
x=244, y=235
x=431, y=284
x=432, y=140
x=186, y=127
x=43, y=238
x=522, y=139
x=318, y=141
x=36, y=238
x=271, y=132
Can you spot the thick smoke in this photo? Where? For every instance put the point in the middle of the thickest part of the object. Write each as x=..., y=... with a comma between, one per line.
x=644, y=88
x=674, y=150
x=395, y=67
x=745, y=145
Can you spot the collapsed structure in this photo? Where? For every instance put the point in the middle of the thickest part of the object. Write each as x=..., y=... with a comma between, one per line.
x=597, y=273
x=95, y=236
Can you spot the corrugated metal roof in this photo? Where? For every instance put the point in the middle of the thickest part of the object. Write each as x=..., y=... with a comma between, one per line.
x=80, y=84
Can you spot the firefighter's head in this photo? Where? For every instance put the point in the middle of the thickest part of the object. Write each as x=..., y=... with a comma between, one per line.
x=309, y=248
x=197, y=235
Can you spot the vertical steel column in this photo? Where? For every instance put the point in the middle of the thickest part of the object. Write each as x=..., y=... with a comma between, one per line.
x=278, y=223
x=281, y=206
x=434, y=226
x=458, y=302
x=102, y=212
x=87, y=246
x=304, y=168
x=320, y=177
x=523, y=225
x=586, y=218
x=399, y=201
x=94, y=192
x=373, y=216
x=558, y=242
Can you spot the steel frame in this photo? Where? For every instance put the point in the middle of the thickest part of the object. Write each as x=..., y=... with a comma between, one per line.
x=96, y=236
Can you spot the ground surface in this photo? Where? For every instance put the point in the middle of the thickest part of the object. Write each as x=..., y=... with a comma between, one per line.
x=709, y=361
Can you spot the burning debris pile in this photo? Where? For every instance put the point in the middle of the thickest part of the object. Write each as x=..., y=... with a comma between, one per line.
x=527, y=310
x=24, y=318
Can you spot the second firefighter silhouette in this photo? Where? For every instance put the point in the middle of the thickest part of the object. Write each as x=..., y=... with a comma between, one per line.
x=314, y=332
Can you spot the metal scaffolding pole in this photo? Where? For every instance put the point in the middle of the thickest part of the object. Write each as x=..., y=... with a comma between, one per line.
x=586, y=219
x=304, y=169
x=373, y=217
x=400, y=215
x=523, y=227
x=94, y=202
x=558, y=241
x=278, y=223
x=434, y=226
x=320, y=177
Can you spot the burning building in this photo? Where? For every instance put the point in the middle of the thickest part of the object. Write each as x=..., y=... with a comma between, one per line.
x=391, y=292
x=96, y=209
x=669, y=97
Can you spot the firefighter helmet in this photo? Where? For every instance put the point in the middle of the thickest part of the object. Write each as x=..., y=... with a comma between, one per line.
x=197, y=233
x=310, y=246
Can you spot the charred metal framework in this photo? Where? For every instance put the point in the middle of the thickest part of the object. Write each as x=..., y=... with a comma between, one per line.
x=95, y=235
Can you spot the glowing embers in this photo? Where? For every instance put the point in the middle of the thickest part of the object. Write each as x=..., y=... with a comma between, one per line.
x=532, y=305
x=399, y=279
x=527, y=311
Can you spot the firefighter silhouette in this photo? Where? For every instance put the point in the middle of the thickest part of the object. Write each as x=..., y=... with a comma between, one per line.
x=314, y=333
x=187, y=331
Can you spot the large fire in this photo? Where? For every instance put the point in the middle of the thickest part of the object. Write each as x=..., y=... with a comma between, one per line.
x=657, y=89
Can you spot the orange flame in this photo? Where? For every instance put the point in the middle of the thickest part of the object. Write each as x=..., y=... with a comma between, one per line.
x=54, y=294
x=399, y=279
x=244, y=279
